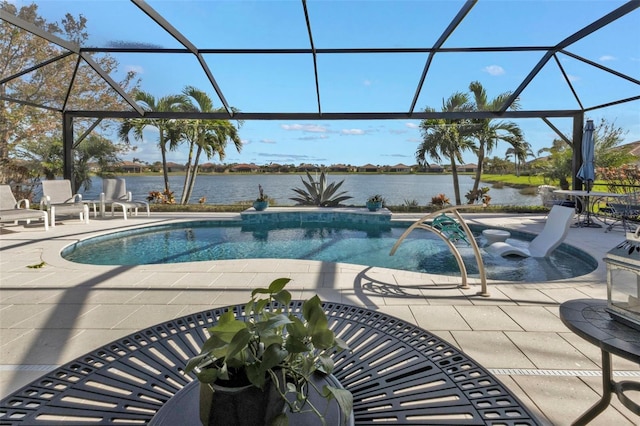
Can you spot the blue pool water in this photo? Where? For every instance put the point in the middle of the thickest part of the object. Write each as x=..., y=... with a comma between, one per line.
x=361, y=244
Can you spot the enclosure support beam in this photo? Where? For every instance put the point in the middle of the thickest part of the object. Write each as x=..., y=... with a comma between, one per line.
x=576, y=163
x=67, y=146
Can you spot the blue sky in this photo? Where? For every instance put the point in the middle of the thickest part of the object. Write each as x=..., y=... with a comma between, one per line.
x=369, y=82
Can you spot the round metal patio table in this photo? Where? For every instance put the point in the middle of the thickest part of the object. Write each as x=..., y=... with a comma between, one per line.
x=397, y=373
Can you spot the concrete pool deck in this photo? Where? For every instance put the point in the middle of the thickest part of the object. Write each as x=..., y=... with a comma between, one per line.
x=56, y=313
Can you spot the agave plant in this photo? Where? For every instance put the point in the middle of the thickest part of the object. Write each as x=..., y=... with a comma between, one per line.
x=319, y=193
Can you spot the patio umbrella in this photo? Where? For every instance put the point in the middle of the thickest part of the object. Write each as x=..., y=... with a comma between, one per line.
x=587, y=170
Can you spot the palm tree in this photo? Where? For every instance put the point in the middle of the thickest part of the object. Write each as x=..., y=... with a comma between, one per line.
x=487, y=131
x=446, y=139
x=520, y=151
x=208, y=136
x=168, y=137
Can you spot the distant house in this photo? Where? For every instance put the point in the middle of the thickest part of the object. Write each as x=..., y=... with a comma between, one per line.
x=131, y=167
x=368, y=168
x=435, y=168
x=308, y=168
x=340, y=168
x=207, y=167
x=469, y=168
x=245, y=168
x=400, y=168
x=175, y=167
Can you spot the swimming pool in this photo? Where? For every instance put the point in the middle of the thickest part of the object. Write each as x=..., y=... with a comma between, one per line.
x=361, y=244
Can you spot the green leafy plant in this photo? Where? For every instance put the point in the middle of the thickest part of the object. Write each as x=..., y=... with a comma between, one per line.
x=273, y=343
x=377, y=198
x=319, y=193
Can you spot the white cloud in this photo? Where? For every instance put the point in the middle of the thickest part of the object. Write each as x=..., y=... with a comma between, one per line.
x=367, y=82
x=313, y=137
x=494, y=70
x=269, y=141
x=607, y=58
x=352, y=132
x=411, y=125
x=573, y=78
x=305, y=128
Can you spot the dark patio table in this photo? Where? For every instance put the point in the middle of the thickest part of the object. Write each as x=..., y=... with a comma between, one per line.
x=397, y=372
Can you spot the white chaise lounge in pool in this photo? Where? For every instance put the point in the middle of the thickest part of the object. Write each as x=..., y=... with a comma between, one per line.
x=555, y=231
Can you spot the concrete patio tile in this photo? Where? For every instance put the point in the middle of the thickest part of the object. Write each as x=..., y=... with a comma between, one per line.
x=236, y=279
x=487, y=318
x=534, y=318
x=103, y=316
x=439, y=317
x=206, y=297
x=523, y=296
x=401, y=312
x=496, y=297
x=560, y=295
x=24, y=316
x=192, y=280
x=11, y=381
x=38, y=347
x=592, y=352
x=563, y=399
x=492, y=349
x=550, y=351
x=595, y=291
x=25, y=296
x=164, y=279
x=515, y=389
x=155, y=296
x=230, y=296
x=147, y=315
x=595, y=383
x=325, y=294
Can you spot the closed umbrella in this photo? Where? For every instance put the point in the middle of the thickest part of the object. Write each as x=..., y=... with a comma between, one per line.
x=587, y=170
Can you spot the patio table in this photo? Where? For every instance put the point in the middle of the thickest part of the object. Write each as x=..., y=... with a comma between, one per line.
x=588, y=199
x=589, y=319
x=397, y=372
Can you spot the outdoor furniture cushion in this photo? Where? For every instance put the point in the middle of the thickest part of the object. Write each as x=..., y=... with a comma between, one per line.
x=10, y=210
x=554, y=232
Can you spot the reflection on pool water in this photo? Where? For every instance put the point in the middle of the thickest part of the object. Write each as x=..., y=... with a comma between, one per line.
x=363, y=244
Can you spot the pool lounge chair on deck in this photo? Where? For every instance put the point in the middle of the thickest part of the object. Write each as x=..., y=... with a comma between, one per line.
x=10, y=210
x=60, y=200
x=114, y=193
x=554, y=232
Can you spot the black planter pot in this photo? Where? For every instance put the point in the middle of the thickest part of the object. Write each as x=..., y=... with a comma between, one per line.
x=260, y=205
x=245, y=406
x=374, y=205
x=185, y=408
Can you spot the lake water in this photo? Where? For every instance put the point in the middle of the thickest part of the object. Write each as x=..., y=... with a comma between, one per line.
x=396, y=189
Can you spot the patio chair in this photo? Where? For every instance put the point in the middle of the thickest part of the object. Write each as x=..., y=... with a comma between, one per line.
x=11, y=210
x=554, y=232
x=58, y=198
x=625, y=211
x=115, y=194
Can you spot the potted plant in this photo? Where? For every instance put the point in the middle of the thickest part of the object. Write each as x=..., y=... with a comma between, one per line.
x=262, y=202
x=374, y=202
x=272, y=354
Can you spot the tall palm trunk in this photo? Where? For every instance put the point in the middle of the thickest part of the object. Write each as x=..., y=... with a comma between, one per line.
x=454, y=175
x=165, y=168
x=187, y=177
x=481, y=154
x=192, y=181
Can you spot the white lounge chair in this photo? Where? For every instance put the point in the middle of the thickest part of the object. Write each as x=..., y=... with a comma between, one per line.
x=10, y=210
x=115, y=194
x=554, y=232
x=60, y=200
